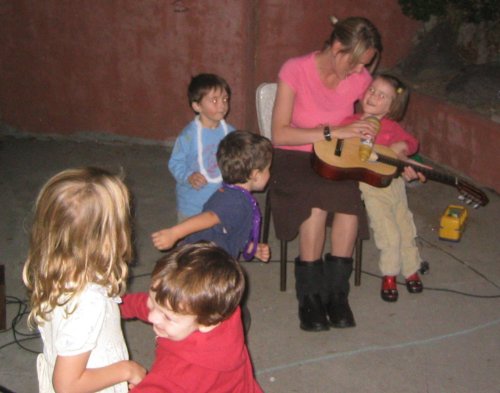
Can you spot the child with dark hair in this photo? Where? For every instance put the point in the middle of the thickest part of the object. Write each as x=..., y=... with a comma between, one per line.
x=193, y=306
x=192, y=162
x=231, y=217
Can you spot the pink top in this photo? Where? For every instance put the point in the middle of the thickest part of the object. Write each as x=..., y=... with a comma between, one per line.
x=390, y=132
x=314, y=103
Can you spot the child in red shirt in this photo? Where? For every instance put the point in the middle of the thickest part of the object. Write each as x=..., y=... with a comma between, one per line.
x=390, y=218
x=193, y=305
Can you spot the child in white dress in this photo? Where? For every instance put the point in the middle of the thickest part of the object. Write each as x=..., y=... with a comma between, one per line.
x=76, y=270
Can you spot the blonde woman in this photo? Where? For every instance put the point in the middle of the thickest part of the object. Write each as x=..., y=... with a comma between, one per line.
x=315, y=93
x=75, y=272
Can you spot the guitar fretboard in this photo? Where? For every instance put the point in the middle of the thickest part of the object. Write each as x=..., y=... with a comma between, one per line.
x=333, y=164
x=429, y=173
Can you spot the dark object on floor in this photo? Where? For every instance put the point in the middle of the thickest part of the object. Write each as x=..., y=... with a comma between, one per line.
x=424, y=267
x=5, y=390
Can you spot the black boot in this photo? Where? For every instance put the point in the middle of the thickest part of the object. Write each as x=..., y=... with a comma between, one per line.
x=336, y=284
x=308, y=283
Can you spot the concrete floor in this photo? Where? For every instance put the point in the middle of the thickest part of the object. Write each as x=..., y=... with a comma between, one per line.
x=446, y=339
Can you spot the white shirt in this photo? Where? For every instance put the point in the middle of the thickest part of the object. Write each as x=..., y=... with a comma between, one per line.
x=93, y=326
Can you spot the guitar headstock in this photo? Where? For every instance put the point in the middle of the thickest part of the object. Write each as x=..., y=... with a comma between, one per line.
x=471, y=195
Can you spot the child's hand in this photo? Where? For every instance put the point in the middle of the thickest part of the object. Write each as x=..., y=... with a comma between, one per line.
x=164, y=239
x=263, y=252
x=197, y=180
x=137, y=373
x=410, y=174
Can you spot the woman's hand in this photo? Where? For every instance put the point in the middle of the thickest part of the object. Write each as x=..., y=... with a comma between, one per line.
x=356, y=129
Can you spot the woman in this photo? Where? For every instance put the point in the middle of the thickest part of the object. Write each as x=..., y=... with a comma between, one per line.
x=315, y=93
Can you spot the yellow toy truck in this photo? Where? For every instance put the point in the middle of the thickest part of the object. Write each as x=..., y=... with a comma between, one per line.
x=452, y=223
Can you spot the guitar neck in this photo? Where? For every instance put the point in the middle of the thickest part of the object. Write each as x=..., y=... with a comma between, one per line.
x=429, y=173
x=339, y=160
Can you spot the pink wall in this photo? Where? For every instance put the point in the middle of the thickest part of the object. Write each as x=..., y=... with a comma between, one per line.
x=285, y=30
x=122, y=66
x=456, y=137
x=118, y=67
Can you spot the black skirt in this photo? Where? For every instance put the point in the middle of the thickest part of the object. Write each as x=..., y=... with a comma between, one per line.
x=295, y=188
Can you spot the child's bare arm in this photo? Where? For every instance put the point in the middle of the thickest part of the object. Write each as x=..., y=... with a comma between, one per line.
x=72, y=375
x=401, y=149
x=166, y=238
x=197, y=180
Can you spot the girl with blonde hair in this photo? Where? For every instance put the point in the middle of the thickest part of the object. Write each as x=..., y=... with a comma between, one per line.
x=75, y=272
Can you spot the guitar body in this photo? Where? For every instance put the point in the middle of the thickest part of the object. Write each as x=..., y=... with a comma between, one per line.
x=333, y=163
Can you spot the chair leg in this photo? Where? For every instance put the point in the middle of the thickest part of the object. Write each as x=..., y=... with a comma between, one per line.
x=267, y=219
x=283, y=243
x=283, y=258
x=357, y=262
x=3, y=303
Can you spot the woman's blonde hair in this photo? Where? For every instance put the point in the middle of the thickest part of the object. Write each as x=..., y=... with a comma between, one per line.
x=81, y=234
x=356, y=35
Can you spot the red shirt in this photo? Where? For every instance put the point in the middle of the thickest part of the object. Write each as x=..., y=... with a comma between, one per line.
x=217, y=361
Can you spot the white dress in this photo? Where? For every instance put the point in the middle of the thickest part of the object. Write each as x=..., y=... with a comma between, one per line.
x=94, y=326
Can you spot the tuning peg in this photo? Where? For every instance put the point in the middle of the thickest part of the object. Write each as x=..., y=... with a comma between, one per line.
x=461, y=197
x=475, y=205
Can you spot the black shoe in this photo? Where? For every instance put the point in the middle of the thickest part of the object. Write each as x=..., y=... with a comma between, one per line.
x=312, y=314
x=340, y=312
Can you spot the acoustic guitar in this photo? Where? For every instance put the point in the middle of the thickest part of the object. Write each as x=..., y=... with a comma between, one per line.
x=338, y=159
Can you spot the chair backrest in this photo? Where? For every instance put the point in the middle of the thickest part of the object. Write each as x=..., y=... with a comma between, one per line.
x=265, y=95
